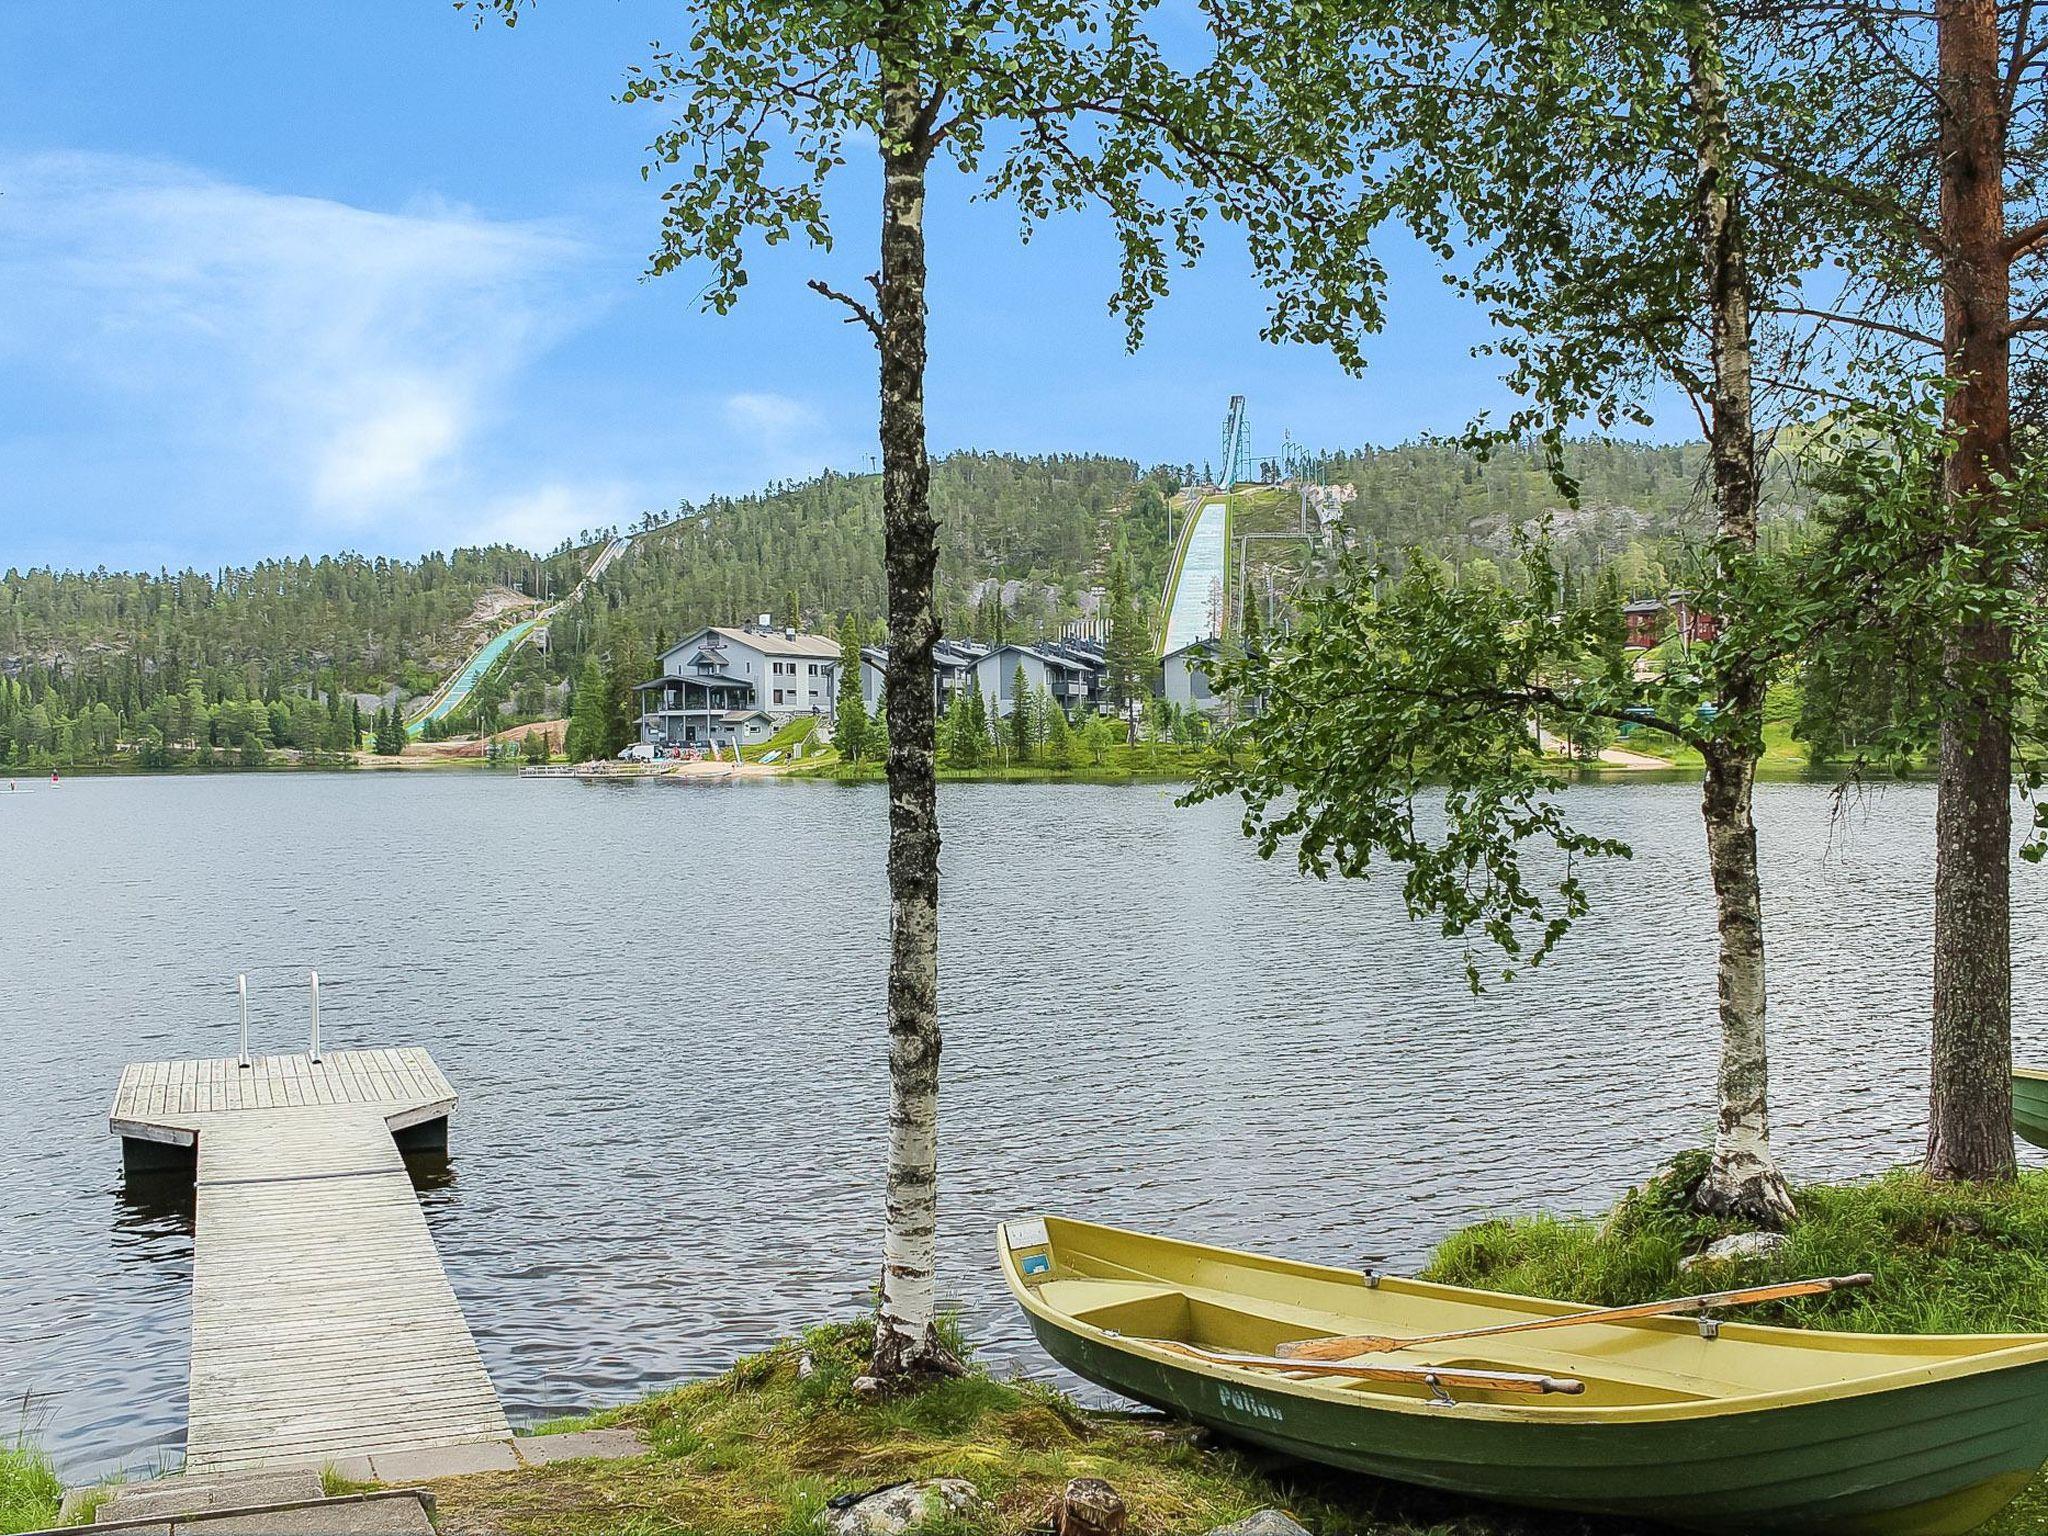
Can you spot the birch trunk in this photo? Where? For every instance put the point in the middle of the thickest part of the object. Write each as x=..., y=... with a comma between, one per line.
x=1742, y=1179
x=1969, y=1122
x=905, y=1338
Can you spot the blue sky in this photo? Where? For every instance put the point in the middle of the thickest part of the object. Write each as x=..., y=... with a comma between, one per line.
x=278, y=279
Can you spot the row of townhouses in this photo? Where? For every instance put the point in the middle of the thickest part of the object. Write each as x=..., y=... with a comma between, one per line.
x=727, y=685
x=1074, y=672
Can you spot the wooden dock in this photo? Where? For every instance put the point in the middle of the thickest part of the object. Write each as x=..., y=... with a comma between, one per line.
x=323, y=1326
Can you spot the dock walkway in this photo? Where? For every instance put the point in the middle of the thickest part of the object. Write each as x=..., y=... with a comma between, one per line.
x=323, y=1326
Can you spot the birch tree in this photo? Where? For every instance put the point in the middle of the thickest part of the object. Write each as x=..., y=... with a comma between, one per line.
x=1056, y=106
x=1577, y=165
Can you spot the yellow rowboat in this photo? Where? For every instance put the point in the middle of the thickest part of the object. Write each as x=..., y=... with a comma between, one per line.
x=1703, y=1424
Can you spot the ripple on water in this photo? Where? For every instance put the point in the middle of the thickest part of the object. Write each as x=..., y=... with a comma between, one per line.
x=663, y=1010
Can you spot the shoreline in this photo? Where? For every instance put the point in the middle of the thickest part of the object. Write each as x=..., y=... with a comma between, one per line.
x=1642, y=771
x=764, y=1444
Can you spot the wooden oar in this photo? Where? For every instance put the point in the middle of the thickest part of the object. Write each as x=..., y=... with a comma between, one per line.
x=1345, y=1348
x=1418, y=1375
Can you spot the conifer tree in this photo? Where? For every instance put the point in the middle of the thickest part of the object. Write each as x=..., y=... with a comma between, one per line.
x=1128, y=649
x=626, y=665
x=588, y=724
x=1059, y=739
x=1022, y=731
x=850, y=713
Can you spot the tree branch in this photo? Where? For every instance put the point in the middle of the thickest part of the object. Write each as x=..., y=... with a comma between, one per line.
x=861, y=315
x=2027, y=240
x=1862, y=322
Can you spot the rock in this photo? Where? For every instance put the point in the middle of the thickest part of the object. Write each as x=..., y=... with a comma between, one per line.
x=889, y=1511
x=1738, y=1248
x=1088, y=1507
x=870, y=1389
x=1267, y=1522
x=806, y=1367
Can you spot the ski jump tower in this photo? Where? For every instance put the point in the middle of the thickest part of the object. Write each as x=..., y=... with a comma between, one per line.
x=1196, y=603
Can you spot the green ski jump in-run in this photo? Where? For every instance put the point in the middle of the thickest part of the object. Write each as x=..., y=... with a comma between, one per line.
x=452, y=694
x=1198, y=578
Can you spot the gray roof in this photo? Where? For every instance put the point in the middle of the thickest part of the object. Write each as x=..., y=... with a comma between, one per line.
x=773, y=642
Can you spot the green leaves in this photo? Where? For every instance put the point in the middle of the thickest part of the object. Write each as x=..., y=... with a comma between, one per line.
x=1399, y=729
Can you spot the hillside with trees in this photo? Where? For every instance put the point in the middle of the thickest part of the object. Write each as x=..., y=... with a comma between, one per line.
x=219, y=666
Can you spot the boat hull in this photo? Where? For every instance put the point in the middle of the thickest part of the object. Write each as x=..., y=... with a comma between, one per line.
x=2030, y=1106
x=1857, y=1468
x=1751, y=1430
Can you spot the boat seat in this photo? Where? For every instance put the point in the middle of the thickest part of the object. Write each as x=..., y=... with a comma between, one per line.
x=1138, y=1307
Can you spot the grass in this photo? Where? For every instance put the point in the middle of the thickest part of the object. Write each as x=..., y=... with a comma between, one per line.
x=801, y=729
x=29, y=1489
x=1947, y=1259
x=1121, y=764
x=760, y=1450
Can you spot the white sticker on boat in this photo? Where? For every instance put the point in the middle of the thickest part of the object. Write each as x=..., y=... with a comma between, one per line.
x=1025, y=1234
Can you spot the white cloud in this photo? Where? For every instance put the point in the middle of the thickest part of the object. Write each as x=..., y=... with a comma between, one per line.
x=542, y=517
x=771, y=418
x=337, y=361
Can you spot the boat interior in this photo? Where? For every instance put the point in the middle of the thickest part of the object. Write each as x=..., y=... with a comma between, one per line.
x=1142, y=1288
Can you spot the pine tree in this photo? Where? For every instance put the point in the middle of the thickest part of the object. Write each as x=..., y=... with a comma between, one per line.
x=588, y=723
x=1023, y=733
x=627, y=665
x=1059, y=739
x=1128, y=650
x=850, y=713
x=977, y=720
x=964, y=730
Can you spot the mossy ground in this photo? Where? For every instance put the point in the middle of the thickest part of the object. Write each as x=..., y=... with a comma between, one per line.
x=759, y=1450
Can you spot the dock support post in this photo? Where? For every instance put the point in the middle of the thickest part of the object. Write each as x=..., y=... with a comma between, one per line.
x=242, y=990
x=314, y=1052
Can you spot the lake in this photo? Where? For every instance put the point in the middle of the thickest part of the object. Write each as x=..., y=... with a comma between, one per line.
x=662, y=1007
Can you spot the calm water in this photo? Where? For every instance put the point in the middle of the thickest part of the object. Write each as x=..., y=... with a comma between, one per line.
x=663, y=1010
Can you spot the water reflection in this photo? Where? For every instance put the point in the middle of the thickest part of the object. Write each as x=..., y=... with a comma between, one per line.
x=151, y=1208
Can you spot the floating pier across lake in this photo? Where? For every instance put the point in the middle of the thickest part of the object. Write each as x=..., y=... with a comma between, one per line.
x=323, y=1326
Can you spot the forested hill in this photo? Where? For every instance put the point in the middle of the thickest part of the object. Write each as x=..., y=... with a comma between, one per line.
x=1045, y=528
x=1023, y=539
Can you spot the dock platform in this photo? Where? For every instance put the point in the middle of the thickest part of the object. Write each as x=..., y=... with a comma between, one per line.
x=323, y=1325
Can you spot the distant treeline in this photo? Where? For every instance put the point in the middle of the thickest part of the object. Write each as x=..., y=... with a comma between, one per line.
x=237, y=660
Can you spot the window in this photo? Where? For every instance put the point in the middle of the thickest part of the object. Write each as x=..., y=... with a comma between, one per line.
x=778, y=695
x=814, y=669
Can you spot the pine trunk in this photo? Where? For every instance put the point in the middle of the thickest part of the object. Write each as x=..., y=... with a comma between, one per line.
x=1969, y=1129
x=1742, y=1180
x=905, y=1338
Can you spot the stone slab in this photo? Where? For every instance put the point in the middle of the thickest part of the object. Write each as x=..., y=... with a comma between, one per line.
x=193, y=1495
x=580, y=1445
x=385, y=1517
x=422, y=1466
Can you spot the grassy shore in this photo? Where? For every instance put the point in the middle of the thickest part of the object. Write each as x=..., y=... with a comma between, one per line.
x=761, y=1448
x=1114, y=764
x=29, y=1489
